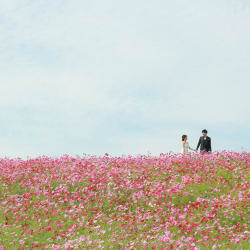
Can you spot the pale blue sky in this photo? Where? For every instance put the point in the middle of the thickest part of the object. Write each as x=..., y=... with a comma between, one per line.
x=123, y=77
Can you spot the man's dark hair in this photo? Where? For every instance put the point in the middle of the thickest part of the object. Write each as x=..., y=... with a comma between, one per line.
x=204, y=131
x=183, y=137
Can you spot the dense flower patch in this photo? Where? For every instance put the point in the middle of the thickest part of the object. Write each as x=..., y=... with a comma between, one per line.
x=164, y=202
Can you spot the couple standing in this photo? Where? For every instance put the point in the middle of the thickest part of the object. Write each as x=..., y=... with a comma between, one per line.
x=204, y=143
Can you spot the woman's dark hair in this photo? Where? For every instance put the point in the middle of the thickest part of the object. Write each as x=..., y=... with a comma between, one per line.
x=204, y=131
x=183, y=137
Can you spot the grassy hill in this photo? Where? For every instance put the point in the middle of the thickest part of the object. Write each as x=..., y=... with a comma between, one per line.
x=164, y=202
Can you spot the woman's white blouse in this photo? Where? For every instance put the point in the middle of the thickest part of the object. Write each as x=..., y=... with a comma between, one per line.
x=186, y=147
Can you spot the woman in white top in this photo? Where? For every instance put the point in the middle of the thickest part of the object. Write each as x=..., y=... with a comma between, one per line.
x=185, y=145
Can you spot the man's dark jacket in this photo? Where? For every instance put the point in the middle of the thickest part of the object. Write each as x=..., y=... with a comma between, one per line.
x=204, y=144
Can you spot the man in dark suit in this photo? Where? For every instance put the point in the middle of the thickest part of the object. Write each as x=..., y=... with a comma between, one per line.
x=204, y=142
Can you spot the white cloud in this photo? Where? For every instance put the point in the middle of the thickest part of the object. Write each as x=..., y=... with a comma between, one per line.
x=121, y=68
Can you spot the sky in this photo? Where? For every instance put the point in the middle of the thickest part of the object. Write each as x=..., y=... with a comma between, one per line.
x=123, y=77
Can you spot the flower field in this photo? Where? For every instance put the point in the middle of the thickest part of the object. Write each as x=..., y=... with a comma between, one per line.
x=130, y=202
